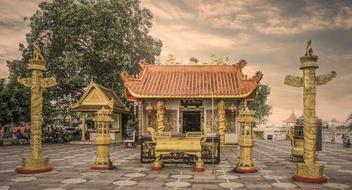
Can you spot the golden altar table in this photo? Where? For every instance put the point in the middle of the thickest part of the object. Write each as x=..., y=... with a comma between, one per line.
x=166, y=143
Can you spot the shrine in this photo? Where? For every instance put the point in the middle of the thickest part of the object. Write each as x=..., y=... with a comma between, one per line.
x=182, y=99
x=93, y=99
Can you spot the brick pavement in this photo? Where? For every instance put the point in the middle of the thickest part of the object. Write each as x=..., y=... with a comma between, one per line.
x=72, y=170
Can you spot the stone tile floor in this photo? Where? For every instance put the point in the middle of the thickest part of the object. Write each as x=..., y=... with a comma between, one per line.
x=72, y=170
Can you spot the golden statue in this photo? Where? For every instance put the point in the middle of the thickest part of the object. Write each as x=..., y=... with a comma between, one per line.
x=221, y=117
x=246, y=141
x=309, y=171
x=35, y=163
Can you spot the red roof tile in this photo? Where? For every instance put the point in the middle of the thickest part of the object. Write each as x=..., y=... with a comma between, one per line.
x=191, y=81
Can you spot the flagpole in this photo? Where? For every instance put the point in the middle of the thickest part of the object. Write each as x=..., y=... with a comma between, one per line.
x=212, y=131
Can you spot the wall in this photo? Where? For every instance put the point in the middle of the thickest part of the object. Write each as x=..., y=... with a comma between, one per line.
x=173, y=117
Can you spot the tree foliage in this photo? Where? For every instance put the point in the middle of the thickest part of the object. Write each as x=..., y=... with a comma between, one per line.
x=86, y=39
x=263, y=110
x=14, y=103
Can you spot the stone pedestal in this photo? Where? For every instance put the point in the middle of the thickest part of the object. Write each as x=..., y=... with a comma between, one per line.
x=32, y=165
x=310, y=174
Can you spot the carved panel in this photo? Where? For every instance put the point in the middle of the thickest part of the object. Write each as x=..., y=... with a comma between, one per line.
x=170, y=121
x=211, y=121
x=230, y=122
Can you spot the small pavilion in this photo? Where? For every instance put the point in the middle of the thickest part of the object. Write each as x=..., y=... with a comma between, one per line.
x=290, y=123
x=93, y=99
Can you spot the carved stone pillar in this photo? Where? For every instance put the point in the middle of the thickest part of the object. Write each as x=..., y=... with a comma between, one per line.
x=35, y=163
x=309, y=171
x=221, y=120
x=160, y=115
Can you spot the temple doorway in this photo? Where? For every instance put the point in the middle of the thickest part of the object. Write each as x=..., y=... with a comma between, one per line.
x=191, y=121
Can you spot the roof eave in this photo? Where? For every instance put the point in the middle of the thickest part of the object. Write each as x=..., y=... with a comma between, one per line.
x=198, y=96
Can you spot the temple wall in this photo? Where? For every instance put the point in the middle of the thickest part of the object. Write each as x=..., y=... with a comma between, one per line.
x=173, y=115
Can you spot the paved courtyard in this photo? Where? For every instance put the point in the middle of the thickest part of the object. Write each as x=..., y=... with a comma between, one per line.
x=71, y=170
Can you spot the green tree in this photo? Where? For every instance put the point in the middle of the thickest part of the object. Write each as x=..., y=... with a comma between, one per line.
x=263, y=110
x=86, y=39
x=14, y=103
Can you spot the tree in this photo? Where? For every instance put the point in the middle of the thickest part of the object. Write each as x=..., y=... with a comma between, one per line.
x=14, y=103
x=85, y=39
x=263, y=110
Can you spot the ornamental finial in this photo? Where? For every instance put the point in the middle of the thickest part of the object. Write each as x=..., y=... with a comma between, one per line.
x=37, y=55
x=309, y=49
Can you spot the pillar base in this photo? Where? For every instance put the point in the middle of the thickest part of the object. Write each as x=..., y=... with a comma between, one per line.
x=321, y=179
x=156, y=166
x=245, y=170
x=199, y=166
x=34, y=165
x=201, y=169
x=310, y=174
x=102, y=167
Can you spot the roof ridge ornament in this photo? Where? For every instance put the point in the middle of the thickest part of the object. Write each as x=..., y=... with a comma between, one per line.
x=242, y=63
x=124, y=75
x=258, y=76
x=142, y=63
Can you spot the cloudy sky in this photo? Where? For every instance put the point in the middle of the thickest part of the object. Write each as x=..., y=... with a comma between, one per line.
x=270, y=35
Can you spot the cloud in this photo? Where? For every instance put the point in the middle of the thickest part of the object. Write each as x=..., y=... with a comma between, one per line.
x=186, y=41
x=271, y=18
x=166, y=11
x=13, y=28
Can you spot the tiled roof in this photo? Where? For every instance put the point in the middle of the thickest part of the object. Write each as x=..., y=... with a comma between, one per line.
x=118, y=104
x=191, y=81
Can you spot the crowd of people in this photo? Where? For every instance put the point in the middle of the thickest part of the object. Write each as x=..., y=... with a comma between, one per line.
x=54, y=134
x=50, y=134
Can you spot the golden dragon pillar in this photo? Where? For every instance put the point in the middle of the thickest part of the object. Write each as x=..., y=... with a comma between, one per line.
x=103, y=122
x=309, y=171
x=35, y=163
x=246, y=141
x=160, y=115
x=221, y=120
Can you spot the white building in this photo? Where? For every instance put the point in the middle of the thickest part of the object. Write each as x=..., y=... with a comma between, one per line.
x=270, y=133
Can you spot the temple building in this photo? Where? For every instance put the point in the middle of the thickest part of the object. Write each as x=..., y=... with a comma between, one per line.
x=191, y=98
x=93, y=99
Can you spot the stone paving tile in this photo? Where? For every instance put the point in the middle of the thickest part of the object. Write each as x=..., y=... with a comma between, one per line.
x=72, y=170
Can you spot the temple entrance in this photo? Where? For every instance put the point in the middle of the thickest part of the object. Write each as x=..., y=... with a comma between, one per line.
x=191, y=121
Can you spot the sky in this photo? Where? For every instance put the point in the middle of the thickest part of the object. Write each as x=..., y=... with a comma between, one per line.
x=270, y=35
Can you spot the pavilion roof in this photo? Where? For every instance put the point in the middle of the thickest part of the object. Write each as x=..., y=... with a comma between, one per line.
x=191, y=81
x=291, y=119
x=95, y=97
